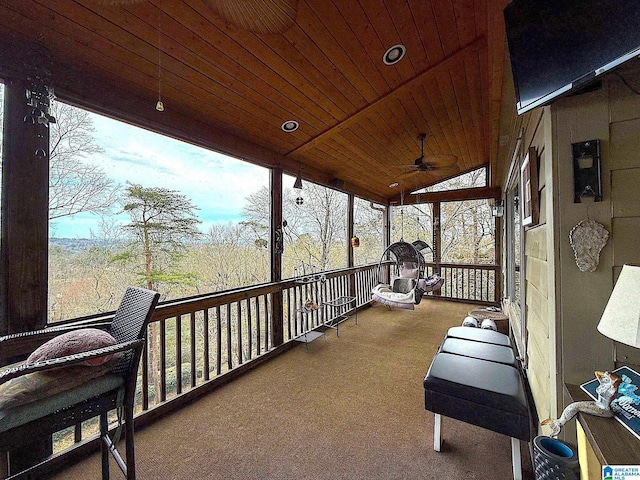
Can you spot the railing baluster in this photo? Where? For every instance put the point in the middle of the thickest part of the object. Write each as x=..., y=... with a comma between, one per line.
x=239, y=331
x=192, y=332
x=163, y=362
x=256, y=304
x=178, y=354
x=267, y=324
x=228, y=338
x=205, y=346
x=145, y=376
x=218, y=341
x=247, y=303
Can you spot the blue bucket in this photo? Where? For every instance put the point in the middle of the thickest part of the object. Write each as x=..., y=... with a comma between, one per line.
x=554, y=459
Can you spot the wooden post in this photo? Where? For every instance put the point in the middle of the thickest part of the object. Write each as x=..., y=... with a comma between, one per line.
x=386, y=238
x=350, y=247
x=25, y=235
x=25, y=214
x=276, y=248
x=437, y=241
x=497, y=258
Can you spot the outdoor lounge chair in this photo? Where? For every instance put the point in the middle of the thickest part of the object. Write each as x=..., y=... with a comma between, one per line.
x=42, y=397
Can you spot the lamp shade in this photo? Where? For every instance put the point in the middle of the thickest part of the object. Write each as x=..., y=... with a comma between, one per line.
x=621, y=318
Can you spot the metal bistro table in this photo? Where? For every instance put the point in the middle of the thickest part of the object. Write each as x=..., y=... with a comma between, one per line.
x=338, y=310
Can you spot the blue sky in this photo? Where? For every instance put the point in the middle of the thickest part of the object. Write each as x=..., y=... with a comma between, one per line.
x=215, y=183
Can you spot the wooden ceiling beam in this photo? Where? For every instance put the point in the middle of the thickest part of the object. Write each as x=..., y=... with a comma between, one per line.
x=477, y=193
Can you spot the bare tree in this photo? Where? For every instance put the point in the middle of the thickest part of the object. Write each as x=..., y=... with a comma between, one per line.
x=76, y=186
x=316, y=229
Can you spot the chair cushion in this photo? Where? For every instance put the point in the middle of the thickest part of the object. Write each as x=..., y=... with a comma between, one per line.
x=403, y=285
x=479, y=335
x=21, y=414
x=481, y=350
x=77, y=341
x=38, y=385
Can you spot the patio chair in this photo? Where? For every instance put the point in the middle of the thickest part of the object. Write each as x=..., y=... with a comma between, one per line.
x=42, y=397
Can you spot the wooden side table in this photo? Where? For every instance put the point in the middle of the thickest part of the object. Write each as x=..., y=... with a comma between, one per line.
x=501, y=319
x=602, y=441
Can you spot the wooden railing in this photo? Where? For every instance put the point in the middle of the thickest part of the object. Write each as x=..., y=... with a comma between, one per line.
x=469, y=282
x=197, y=343
x=220, y=332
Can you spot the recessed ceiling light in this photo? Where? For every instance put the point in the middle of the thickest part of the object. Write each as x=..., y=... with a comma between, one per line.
x=394, y=54
x=393, y=185
x=290, y=126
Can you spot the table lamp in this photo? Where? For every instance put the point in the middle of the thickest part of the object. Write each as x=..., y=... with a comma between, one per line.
x=620, y=320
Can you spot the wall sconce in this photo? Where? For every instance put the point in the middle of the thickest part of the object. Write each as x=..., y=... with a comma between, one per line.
x=587, y=181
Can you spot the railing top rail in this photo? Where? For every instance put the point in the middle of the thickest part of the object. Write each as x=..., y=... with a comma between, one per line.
x=187, y=305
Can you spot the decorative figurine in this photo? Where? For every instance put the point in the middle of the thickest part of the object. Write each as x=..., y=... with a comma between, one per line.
x=310, y=305
x=607, y=391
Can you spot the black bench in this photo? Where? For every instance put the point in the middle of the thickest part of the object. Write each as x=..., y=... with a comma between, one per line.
x=479, y=383
x=483, y=351
x=479, y=335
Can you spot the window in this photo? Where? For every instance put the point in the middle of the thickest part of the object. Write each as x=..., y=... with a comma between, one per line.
x=513, y=256
x=104, y=173
x=475, y=178
x=368, y=227
x=467, y=232
x=316, y=231
x=411, y=223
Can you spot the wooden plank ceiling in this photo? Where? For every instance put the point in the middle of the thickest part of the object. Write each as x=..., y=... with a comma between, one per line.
x=231, y=89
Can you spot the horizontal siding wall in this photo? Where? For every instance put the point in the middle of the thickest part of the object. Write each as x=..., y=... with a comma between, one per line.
x=625, y=184
x=538, y=249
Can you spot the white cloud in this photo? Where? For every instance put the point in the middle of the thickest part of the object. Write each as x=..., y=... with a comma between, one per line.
x=218, y=185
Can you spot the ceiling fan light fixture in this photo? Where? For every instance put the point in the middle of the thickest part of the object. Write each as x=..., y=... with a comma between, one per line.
x=394, y=54
x=290, y=126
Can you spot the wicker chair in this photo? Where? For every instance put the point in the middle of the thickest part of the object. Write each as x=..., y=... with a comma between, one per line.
x=112, y=388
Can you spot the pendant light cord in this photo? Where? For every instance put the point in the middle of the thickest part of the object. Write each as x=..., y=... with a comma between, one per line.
x=159, y=105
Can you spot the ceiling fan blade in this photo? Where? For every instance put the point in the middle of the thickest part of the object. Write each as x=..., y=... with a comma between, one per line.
x=440, y=160
x=444, y=171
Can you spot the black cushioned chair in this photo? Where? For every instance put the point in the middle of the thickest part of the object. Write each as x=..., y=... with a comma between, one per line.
x=36, y=415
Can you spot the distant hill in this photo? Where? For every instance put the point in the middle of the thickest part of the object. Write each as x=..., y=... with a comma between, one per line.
x=74, y=245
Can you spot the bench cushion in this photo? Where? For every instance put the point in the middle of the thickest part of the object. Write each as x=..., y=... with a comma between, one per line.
x=479, y=335
x=484, y=351
x=479, y=392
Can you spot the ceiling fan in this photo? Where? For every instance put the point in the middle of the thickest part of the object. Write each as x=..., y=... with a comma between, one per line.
x=444, y=163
